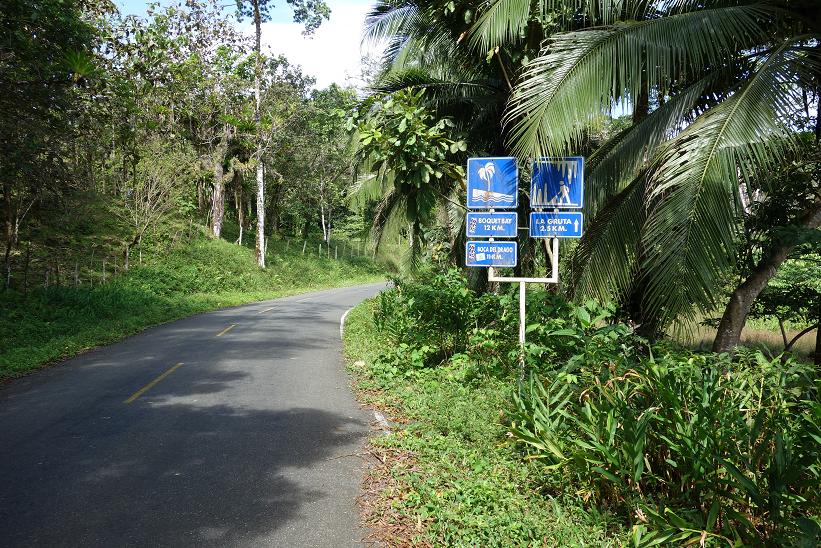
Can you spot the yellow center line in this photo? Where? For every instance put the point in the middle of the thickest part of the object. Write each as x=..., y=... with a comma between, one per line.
x=150, y=385
x=226, y=330
x=266, y=310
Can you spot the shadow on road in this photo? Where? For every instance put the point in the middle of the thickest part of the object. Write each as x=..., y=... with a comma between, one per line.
x=178, y=476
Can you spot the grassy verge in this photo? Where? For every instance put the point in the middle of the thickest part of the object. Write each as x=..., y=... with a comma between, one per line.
x=446, y=476
x=48, y=324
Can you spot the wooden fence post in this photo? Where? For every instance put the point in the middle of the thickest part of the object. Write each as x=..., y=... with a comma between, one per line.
x=305, y=243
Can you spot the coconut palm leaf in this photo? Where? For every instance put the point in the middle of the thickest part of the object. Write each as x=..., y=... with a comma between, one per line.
x=615, y=163
x=389, y=217
x=505, y=23
x=581, y=74
x=693, y=185
x=412, y=36
x=605, y=262
x=501, y=24
x=470, y=88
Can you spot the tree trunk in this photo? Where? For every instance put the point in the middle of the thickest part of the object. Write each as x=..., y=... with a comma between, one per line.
x=12, y=230
x=238, y=203
x=817, y=356
x=218, y=194
x=322, y=218
x=273, y=207
x=200, y=198
x=642, y=106
x=26, y=268
x=742, y=299
x=260, y=250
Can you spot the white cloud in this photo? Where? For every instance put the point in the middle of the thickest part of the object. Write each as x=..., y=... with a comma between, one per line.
x=333, y=53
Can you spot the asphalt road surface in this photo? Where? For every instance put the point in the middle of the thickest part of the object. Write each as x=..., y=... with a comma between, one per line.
x=232, y=428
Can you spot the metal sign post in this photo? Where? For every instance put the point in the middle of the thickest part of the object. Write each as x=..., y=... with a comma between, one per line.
x=492, y=183
x=523, y=281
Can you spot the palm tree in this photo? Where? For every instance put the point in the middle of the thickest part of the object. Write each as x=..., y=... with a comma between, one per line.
x=730, y=81
x=429, y=48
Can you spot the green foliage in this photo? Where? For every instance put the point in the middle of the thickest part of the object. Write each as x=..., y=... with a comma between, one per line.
x=308, y=12
x=679, y=447
x=408, y=156
x=456, y=484
x=693, y=446
x=794, y=294
x=708, y=118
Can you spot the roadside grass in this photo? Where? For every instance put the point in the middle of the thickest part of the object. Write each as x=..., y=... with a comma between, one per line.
x=447, y=476
x=49, y=324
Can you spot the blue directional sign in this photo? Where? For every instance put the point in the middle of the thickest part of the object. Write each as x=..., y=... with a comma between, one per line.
x=492, y=225
x=557, y=183
x=493, y=183
x=563, y=224
x=482, y=253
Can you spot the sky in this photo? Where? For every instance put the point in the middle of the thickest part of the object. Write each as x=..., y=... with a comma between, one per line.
x=332, y=54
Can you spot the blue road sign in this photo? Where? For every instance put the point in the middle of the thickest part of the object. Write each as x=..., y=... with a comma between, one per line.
x=563, y=224
x=557, y=183
x=493, y=183
x=481, y=253
x=492, y=225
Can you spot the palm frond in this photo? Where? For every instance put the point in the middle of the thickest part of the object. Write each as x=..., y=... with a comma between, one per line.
x=388, y=218
x=389, y=18
x=502, y=23
x=693, y=185
x=506, y=22
x=615, y=163
x=605, y=261
x=580, y=74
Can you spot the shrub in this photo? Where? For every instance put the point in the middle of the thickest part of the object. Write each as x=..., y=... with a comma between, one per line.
x=690, y=448
x=432, y=317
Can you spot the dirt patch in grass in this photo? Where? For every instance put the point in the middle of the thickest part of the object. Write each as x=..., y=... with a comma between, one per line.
x=380, y=491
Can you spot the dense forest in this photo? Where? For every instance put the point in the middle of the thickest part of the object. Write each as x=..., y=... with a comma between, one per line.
x=131, y=122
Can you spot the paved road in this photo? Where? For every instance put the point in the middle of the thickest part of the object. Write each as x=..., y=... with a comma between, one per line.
x=252, y=441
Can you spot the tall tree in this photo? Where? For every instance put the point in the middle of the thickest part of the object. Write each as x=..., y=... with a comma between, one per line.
x=727, y=79
x=410, y=164
x=309, y=12
x=192, y=60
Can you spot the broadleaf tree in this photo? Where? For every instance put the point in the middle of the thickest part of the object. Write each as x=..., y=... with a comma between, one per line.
x=310, y=13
